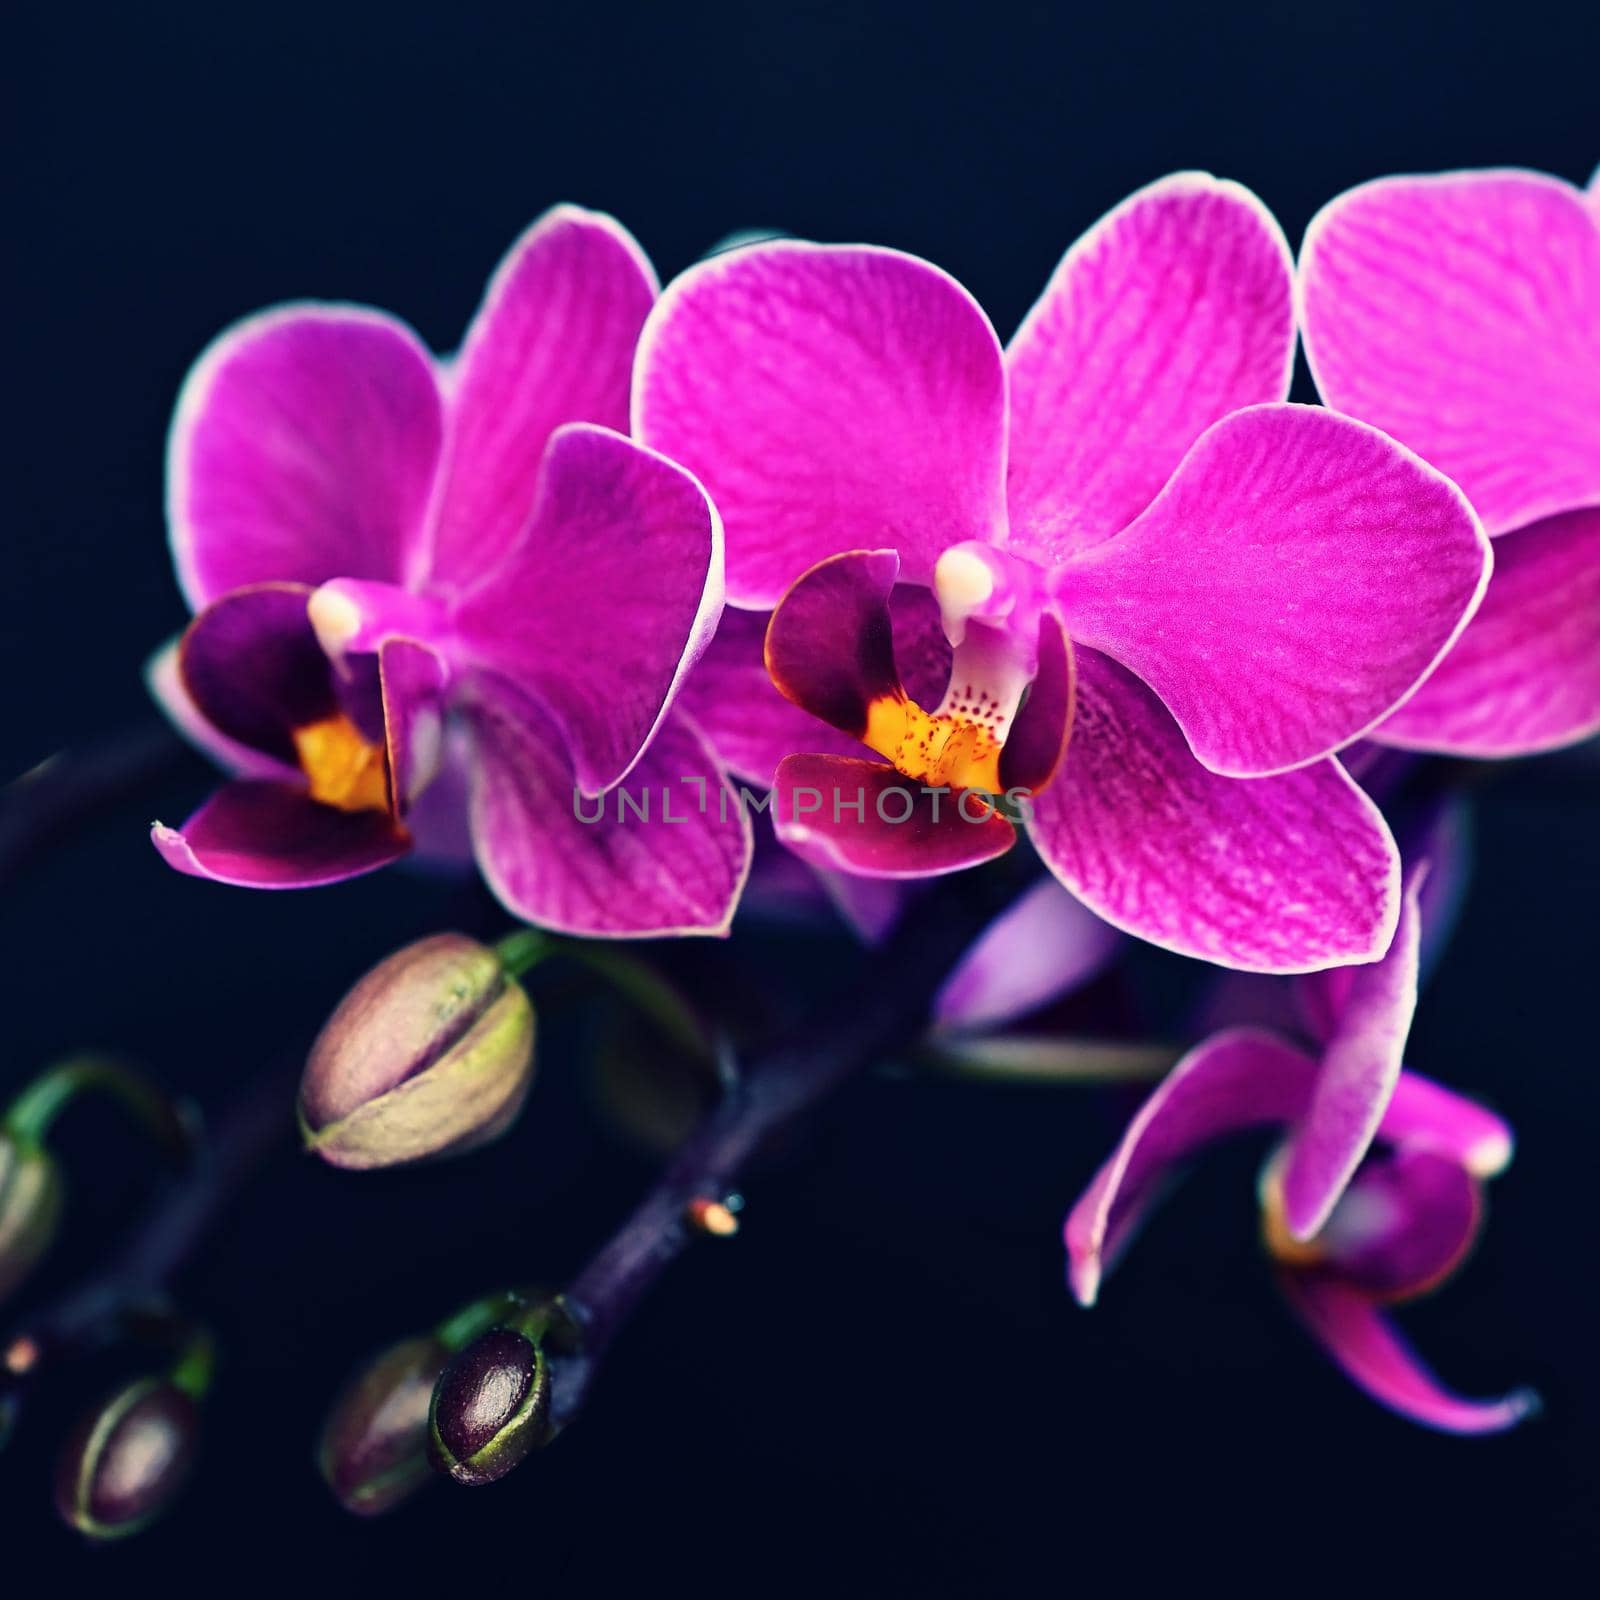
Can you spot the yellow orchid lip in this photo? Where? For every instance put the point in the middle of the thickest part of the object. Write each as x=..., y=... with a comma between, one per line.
x=343, y=767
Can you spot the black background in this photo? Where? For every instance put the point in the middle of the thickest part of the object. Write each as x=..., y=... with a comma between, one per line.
x=881, y=1386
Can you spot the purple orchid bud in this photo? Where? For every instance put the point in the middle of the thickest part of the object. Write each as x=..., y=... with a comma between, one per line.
x=30, y=1203
x=431, y=1053
x=127, y=1459
x=491, y=1407
x=373, y=1451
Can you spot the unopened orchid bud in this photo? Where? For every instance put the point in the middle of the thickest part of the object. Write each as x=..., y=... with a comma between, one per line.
x=374, y=1448
x=128, y=1458
x=30, y=1202
x=430, y=1054
x=491, y=1407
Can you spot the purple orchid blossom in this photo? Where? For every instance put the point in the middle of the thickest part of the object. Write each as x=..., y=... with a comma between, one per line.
x=1116, y=528
x=1373, y=1198
x=406, y=570
x=1461, y=314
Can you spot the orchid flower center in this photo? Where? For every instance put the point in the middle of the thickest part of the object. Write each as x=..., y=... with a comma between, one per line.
x=343, y=767
x=989, y=607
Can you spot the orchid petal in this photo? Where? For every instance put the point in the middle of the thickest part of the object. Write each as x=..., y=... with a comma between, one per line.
x=1406, y=1222
x=1284, y=874
x=752, y=726
x=1425, y=1115
x=1044, y=945
x=164, y=679
x=252, y=667
x=1360, y=1339
x=861, y=816
x=829, y=397
x=1291, y=585
x=1037, y=744
x=413, y=680
x=677, y=868
x=552, y=343
x=268, y=835
x=1525, y=675
x=872, y=907
x=1441, y=836
x=619, y=593
x=1461, y=314
x=303, y=448
x=1229, y=1083
x=1172, y=311
x=830, y=644
x=1360, y=1066
x=732, y=697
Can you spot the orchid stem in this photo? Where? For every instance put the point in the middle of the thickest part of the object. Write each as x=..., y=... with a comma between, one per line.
x=104, y=1307
x=884, y=1013
x=35, y=1109
x=48, y=804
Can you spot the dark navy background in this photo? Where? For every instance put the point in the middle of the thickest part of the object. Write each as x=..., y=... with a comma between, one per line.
x=881, y=1386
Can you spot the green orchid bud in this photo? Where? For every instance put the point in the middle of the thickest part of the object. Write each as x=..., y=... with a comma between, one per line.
x=431, y=1053
x=127, y=1459
x=491, y=1407
x=30, y=1203
x=374, y=1448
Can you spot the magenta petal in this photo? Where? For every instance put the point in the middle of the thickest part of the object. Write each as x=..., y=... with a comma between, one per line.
x=829, y=398
x=1360, y=1066
x=617, y=593
x=1233, y=1081
x=1043, y=946
x=1461, y=314
x=671, y=861
x=855, y=815
x=253, y=669
x=303, y=448
x=1425, y=1115
x=552, y=343
x=1042, y=731
x=1358, y=1336
x=164, y=680
x=733, y=699
x=830, y=645
x=872, y=907
x=1284, y=874
x=1290, y=586
x=1405, y=1223
x=1172, y=311
x=413, y=680
x=268, y=835
x=1525, y=675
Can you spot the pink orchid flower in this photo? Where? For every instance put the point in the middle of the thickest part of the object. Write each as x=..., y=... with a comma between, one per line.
x=1461, y=314
x=1115, y=528
x=409, y=572
x=1374, y=1198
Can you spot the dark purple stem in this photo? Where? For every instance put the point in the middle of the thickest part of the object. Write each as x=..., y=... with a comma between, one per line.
x=136, y=1281
x=48, y=804
x=884, y=1012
